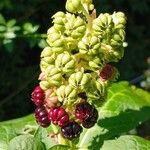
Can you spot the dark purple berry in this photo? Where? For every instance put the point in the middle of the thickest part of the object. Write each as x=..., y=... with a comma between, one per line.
x=58, y=116
x=41, y=116
x=38, y=96
x=107, y=72
x=83, y=110
x=91, y=120
x=71, y=130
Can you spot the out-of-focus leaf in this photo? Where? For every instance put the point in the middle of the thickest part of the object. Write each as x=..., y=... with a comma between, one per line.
x=42, y=43
x=9, y=35
x=2, y=19
x=11, y=23
x=29, y=28
x=2, y=28
x=8, y=44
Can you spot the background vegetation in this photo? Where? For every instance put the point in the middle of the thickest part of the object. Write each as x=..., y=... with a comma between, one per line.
x=21, y=44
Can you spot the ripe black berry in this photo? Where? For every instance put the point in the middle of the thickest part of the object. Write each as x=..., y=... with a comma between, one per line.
x=58, y=116
x=41, y=116
x=91, y=120
x=71, y=130
x=83, y=110
x=87, y=114
x=107, y=72
x=38, y=96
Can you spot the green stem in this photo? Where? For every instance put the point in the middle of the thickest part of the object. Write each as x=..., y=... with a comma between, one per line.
x=2, y=36
x=89, y=18
x=55, y=129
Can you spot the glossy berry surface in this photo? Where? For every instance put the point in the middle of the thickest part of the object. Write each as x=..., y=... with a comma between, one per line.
x=107, y=72
x=41, y=116
x=83, y=110
x=71, y=130
x=58, y=116
x=38, y=96
x=91, y=120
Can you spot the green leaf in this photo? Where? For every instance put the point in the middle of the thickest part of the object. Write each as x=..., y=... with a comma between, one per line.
x=128, y=142
x=60, y=147
x=11, y=23
x=29, y=28
x=21, y=124
x=9, y=35
x=122, y=97
x=2, y=19
x=43, y=136
x=25, y=142
x=2, y=28
x=6, y=134
x=8, y=44
x=124, y=109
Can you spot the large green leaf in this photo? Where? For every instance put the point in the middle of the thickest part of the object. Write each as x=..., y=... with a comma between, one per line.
x=122, y=97
x=42, y=134
x=6, y=134
x=25, y=142
x=127, y=142
x=124, y=109
x=19, y=123
x=12, y=128
x=60, y=147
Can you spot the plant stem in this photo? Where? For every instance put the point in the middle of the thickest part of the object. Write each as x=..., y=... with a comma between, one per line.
x=42, y=36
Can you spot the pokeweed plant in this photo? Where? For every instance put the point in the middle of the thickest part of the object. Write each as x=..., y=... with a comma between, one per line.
x=77, y=106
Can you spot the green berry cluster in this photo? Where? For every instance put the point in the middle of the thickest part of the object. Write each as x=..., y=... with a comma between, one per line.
x=80, y=49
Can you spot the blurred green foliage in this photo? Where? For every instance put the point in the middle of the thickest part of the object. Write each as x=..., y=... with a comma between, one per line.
x=23, y=25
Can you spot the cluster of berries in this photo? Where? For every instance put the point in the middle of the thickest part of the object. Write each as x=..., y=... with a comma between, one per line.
x=85, y=114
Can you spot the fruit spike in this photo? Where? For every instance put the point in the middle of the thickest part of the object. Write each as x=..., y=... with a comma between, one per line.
x=58, y=116
x=38, y=96
x=71, y=130
x=41, y=116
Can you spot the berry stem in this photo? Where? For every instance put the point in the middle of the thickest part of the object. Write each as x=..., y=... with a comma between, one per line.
x=54, y=128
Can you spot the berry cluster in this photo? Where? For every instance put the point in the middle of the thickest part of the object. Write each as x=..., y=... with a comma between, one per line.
x=85, y=112
x=76, y=67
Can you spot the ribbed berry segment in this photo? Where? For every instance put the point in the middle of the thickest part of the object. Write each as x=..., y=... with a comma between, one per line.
x=91, y=120
x=58, y=116
x=87, y=114
x=38, y=96
x=41, y=116
x=71, y=130
x=107, y=72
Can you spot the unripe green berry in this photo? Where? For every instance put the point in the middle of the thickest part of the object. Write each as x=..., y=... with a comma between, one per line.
x=66, y=94
x=80, y=80
x=45, y=85
x=65, y=62
x=53, y=75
